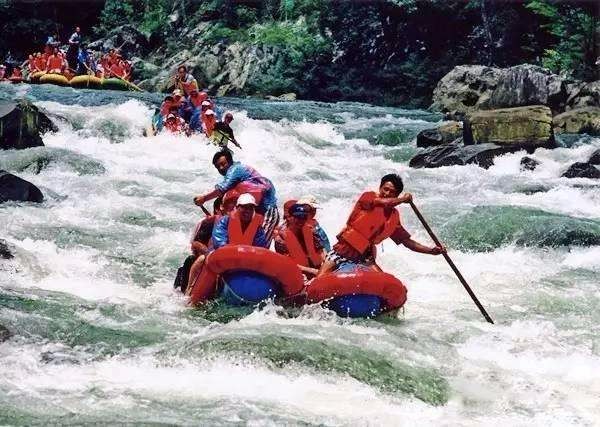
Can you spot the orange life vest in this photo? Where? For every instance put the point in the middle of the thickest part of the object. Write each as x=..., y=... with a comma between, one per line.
x=117, y=69
x=234, y=229
x=55, y=62
x=368, y=228
x=16, y=74
x=307, y=258
x=175, y=126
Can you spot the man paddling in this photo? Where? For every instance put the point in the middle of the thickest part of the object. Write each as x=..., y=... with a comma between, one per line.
x=373, y=219
x=234, y=173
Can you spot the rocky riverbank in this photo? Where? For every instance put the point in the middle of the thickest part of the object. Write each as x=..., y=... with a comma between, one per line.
x=495, y=111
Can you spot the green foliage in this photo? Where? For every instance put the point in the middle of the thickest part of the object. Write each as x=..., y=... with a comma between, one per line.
x=116, y=13
x=294, y=36
x=572, y=30
x=155, y=17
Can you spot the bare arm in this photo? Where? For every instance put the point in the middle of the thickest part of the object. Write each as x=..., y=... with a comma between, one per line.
x=199, y=200
x=390, y=202
x=418, y=247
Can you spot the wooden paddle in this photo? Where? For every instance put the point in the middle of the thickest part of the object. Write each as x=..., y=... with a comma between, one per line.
x=452, y=266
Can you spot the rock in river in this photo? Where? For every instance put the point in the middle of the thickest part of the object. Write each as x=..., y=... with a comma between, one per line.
x=21, y=124
x=13, y=188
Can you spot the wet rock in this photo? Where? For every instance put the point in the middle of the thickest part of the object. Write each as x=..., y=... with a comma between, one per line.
x=458, y=154
x=528, y=84
x=595, y=158
x=13, y=188
x=587, y=95
x=578, y=120
x=128, y=39
x=443, y=134
x=464, y=89
x=468, y=88
x=521, y=126
x=4, y=333
x=582, y=170
x=528, y=163
x=4, y=251
x=285, y=97
x=21, y=124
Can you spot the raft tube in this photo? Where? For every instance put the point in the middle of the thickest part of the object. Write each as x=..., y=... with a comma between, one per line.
x=35, y=77
x=91, y=82
x=357, y=293
x=115, y=84
x=250, y=275
x=55, y=79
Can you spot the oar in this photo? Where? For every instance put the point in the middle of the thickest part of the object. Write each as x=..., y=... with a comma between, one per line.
x=452, y=266
x=206, y=212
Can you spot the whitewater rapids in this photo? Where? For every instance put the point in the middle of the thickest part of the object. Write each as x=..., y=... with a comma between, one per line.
x=100, y=336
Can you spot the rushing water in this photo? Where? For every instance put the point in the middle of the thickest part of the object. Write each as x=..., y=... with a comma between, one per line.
x=100, y=336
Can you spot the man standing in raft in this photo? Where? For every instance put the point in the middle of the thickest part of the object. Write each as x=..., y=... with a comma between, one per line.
x=240, y=227
x=235, y=173
x=373, y=219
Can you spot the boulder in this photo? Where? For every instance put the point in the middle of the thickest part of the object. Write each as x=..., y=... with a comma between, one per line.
x=578, y=120
x=468, y=88
x=21, y=124
x=5, y=251
x=582, y=170
x=443, y=134
x=458, y=154
x=595, y=158
x=528, y=164
x=464, y=89
x=128, y=39
x=13, y=188
x=4, y=334
x=527, y=127
x=587, y=95
x=528, y=84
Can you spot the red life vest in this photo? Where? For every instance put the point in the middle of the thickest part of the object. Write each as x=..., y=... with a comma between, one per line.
x=234, y=229
x=55, y=62
x=175, y=126
x=309, y=257
x=367, y=228
x=165, y=108
x=117, y=69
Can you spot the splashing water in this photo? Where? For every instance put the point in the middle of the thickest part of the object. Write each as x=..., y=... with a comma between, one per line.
x=100, y=336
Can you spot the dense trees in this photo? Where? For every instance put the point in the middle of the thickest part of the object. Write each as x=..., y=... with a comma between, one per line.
x=384, y=51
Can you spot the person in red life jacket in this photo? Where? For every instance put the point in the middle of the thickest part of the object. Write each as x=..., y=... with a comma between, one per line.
x=30, y=64
x=55, y=62
x=178, y=98
x=235, y=173
x=117, y=70
x=17, y=74
x=39, y=64
x=208, y=122
x=185, y=81
x=175, y=124
x=373, y=219
x=300, y=241
x=242, y=227
x=2, y=71
x=196, y=98
x=311, y=204
x=166, y=105
x=200, y=244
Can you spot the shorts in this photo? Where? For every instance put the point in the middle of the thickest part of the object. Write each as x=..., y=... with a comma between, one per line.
x=270, y=222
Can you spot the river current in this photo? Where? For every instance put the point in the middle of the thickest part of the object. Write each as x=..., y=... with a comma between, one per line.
x=100, y=336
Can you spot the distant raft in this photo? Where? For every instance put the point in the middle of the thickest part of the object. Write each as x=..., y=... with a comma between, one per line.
x=356, y=291
x=246, y=275
x=55, y=79
x=86, y=82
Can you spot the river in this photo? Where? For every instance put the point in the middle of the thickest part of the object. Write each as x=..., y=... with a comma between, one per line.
x=100, y=336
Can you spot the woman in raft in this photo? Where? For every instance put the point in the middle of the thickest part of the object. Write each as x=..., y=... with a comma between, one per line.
x=373, y=219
